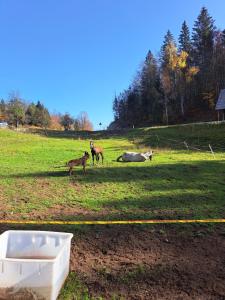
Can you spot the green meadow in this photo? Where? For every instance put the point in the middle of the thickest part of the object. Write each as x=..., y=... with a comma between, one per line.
x=179, y=182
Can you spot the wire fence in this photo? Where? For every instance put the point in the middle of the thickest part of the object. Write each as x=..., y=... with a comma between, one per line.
x=209, y=148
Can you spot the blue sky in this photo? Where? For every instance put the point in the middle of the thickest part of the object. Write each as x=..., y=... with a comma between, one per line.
x=73, y=55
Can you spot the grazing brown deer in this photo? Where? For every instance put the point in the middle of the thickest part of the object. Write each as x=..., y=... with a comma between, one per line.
x=95, y=152
x=77, y=162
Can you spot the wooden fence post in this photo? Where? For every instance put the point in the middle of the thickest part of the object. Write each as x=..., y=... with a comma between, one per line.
x=186, y=145
x=211, y=151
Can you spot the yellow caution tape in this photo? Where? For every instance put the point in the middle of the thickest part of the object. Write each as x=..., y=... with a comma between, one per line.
x=113, y=222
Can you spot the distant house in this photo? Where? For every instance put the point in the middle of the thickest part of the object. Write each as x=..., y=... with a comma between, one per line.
x=3, y=123
x=220, y=105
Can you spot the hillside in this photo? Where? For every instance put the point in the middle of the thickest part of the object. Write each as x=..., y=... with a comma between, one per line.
x=177, y=182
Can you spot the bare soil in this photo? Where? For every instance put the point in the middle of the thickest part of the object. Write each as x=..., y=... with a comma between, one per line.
x=151, y=262
x=20, y=294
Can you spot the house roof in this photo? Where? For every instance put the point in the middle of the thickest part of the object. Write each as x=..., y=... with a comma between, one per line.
x=221, y=100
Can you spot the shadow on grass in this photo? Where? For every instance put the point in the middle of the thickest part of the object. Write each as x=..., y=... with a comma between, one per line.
x=165, y=191
x=172, y=206
x=125, y=172
x=45, y=174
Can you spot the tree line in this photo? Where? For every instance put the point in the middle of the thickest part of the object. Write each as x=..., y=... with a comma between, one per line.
x=182, y=84
x=17, y=112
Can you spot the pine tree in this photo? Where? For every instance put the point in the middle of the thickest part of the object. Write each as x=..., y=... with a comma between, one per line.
x=30, y=114
x=133, y=116
x=223, y=37
x=203, y=47
x=202, y=39
x=116, y=108
x=184, y=39
x=41, y=116
x=150, y=90
x=218, y=64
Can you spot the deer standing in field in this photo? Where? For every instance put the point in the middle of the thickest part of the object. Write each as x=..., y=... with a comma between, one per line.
x=77, y=162
x=95, y=152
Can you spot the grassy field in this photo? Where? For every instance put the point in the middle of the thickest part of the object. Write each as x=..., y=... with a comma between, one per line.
x=176, y=183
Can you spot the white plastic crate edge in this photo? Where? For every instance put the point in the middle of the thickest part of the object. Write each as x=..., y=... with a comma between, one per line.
x=59, y=274
x=6, y=233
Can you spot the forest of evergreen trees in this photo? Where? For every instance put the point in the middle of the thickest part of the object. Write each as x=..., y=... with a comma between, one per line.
x=182, y=84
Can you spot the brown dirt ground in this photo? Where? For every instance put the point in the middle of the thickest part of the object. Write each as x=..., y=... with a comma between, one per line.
x=150, y=262
x=21, y=294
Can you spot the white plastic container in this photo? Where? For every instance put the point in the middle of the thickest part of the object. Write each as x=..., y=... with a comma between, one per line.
x=34, y=260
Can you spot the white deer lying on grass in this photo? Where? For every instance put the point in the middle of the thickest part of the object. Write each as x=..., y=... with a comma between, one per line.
x=135, y=156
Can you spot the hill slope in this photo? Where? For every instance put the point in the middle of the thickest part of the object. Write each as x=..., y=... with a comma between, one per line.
x=176, y=183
